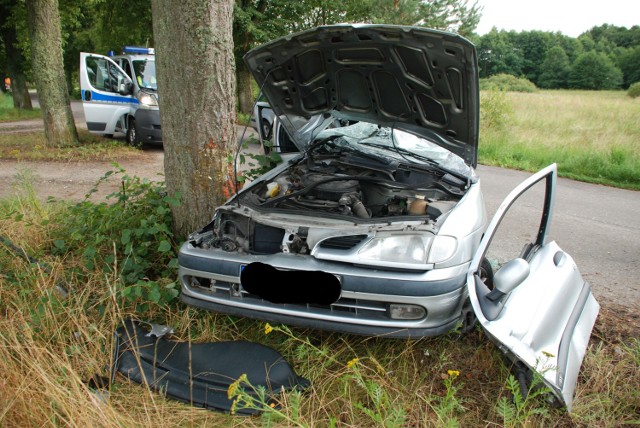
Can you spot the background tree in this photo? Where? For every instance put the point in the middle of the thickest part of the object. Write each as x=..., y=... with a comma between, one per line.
x=48, y=72
x=593, y=70
x=496, y=54
x=258, y=21
x=555, y=69
x=196, y=77
x=532, y=47
x=15, y=64
x=629, y=63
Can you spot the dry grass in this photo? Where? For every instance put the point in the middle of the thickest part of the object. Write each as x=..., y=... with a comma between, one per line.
x=592, y=135
x=51, y=345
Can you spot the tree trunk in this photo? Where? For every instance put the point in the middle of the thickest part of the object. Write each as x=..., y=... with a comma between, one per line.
x=244, y=81
x=15, y=60
x=196, y=83
x=15, y=70
x=48, y=72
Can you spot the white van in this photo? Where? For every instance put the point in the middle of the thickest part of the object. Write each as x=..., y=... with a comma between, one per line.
x=120, y=94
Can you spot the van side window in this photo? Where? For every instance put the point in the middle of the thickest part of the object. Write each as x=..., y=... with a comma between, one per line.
x=104, y=75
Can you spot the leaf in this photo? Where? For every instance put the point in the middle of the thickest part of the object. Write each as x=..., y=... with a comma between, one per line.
x=164, y=246
x=154, y=293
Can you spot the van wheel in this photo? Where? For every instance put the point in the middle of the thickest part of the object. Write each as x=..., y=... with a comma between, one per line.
x=132, y=135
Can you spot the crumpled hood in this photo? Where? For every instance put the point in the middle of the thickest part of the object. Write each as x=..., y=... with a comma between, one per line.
x=418, y=80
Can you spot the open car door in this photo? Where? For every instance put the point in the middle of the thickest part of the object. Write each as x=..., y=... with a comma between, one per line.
x=538, y=310
x=106, y=93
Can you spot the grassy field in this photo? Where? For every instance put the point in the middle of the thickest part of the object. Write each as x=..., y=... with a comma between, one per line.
x=113, y=261
x=8, y=113
x=593, y=136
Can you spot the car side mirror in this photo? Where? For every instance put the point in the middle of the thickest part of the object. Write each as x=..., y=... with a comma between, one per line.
x=510, y=275
x=126, y=88
x=505, y=280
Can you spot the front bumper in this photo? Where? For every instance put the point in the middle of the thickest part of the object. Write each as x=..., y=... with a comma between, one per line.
x=211, y=280
x=148, y=125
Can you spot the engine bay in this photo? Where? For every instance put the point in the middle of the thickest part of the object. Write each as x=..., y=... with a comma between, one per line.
x=336, y=181
x=358, y=185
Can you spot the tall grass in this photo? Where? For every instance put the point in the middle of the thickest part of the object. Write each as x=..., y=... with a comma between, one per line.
x=593, y=136
x=52, y=344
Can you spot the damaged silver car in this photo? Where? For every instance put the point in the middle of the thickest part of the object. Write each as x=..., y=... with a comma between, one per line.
x=378, y=226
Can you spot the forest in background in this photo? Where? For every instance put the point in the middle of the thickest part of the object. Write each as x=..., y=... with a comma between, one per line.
x=604, y=57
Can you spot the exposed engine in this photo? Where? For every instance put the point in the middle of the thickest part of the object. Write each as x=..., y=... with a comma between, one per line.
x=354, y=185
x=339, y=187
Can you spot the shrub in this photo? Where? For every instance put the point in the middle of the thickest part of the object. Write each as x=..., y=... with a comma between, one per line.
x=634, y=90
x=495, y=109
x=507, y=82
x=129, y=239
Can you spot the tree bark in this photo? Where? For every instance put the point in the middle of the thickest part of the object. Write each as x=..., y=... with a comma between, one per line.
x=196, y=82
x=48, y=72
x=244, y=81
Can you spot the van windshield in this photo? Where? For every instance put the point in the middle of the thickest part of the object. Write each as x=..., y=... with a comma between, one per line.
x=145, y=71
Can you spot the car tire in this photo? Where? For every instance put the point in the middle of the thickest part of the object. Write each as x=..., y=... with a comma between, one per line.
x=486, y=273
x=132, y=134
x=468, y=317
x=266, y=129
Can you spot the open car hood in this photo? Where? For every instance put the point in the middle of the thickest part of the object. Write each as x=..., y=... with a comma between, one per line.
x=421, y=81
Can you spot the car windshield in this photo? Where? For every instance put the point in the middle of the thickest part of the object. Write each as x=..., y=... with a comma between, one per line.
x=145, y=71
x=399, y=144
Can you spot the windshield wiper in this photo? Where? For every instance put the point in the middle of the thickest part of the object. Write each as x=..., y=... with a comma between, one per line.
x=402, y=151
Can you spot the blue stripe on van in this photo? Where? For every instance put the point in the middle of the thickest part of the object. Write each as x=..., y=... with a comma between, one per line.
x=95, y=96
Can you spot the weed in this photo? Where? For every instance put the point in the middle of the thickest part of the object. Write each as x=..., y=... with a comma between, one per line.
x=448, y=405
x=520, y=409
x=495, y=110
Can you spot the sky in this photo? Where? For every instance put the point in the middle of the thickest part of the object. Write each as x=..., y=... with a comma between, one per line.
x=570, y=17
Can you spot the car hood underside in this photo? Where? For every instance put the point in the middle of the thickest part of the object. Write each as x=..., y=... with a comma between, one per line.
x=417, y=80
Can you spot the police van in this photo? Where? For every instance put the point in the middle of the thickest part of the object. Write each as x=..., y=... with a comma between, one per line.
x=120, y=94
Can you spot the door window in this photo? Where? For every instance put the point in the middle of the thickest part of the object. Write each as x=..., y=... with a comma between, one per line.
x=104, y=75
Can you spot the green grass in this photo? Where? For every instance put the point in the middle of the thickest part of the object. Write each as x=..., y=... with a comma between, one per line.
x=592, y=136
x=8, y=113
x=50, y=345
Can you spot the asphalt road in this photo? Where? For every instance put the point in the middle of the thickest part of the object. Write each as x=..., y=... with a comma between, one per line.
x=598, y=226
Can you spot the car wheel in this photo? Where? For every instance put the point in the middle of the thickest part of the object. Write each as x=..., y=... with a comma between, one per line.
x=486, y=273
x=132, y=134
x=266, y=129
x=468, y=317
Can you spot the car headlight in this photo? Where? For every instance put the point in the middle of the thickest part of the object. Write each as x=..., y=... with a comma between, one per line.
x=442, y=248
x=147, y=99
x=406, y=249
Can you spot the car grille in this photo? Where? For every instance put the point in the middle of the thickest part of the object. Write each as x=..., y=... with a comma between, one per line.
x=366, y=309
x=342, y=242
